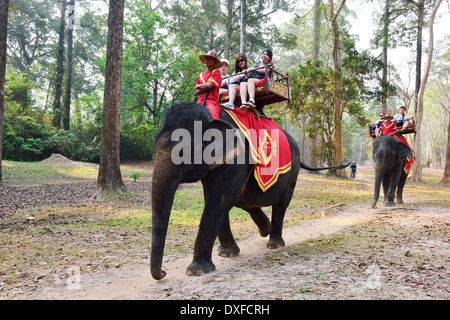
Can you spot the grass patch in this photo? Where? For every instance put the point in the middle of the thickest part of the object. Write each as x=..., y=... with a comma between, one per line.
x=314, y=190
x=427, y=192
x=51, y=172
x=36, y=173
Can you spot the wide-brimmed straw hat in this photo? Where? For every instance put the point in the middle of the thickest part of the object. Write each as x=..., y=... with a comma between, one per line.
x=387, y=116
x=213, y=55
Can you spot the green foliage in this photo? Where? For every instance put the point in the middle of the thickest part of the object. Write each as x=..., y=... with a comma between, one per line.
x=201, y=24
x=135, y=176
x=145, y=60
x=315, y=86
x=25, y=139
x=18, y=98
x=136, y=141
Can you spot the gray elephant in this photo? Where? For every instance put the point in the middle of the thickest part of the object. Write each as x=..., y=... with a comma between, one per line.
x=226, y=183
x=389, y=155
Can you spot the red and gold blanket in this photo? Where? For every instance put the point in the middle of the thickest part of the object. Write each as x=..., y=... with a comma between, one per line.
x=269, y=146
x=409, y=162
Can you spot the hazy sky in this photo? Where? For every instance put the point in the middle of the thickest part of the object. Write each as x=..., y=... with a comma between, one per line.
x=363, y=26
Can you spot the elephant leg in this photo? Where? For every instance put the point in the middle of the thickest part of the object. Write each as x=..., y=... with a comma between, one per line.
x=393, y=184
x=278, y=212
x=387, y=189
x=212, y=219
x=276, y=239
x=228, y=246
x=261, y=220
x=401, y=185
x=376, y=193
x=221, y=190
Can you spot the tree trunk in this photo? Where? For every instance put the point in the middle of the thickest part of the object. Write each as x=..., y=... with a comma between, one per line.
x=4, y=5
x=109, y=175
x=59, y=70
x=312, y=159
x=384, y=57
x=243, y=26
x=338, y=147
x=228, y=29
x=420, y=16
x=68, y=86
x=418, y=112
x=446, y=178
x=316, y=31
x=416, y=174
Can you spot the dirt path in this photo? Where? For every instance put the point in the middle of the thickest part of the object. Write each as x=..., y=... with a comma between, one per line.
x=255, y=274
x=351, y=252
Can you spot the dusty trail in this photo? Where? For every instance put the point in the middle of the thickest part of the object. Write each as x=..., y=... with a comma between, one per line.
x=408, y=261
x=135, y=282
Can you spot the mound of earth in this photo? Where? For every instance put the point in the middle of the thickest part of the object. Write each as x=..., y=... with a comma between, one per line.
x=58, y=159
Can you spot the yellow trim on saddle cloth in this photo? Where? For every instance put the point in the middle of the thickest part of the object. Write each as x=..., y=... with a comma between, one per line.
x=266, y=185
x=256, y=151
x=246, y=132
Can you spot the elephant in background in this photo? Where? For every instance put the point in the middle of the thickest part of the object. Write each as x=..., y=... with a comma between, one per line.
x=225, y=184
x=389, y=156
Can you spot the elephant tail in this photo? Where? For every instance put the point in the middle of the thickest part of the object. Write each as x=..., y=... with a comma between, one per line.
x=341, y=165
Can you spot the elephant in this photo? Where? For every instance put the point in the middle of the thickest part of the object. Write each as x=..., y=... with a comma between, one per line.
x=225, y=183
x=389, y=155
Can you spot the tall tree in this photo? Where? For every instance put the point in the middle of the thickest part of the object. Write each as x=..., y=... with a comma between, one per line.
x=314, y=93
x=228, y=29
x=243, y=31
x=109, y=175
x=215, y=25
x=384, y=77
x=148, y=63
x=4, y=5
x=418, y=112
x=312, y=159
x=69, y=67
x=59, y=69
x=31, y=35
x=338, y=110
x=440, y=95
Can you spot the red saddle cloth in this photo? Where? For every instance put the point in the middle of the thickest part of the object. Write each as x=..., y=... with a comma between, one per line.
x=269, y=146
x=409, y=162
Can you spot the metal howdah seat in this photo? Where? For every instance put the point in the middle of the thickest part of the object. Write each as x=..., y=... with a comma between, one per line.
x=272, y=89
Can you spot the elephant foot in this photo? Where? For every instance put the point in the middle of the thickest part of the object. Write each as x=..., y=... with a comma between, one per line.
x=399, y=201
x=389, y=204
x=275, y=243
x=228, y=252
x=265, y=231
x=200, y=267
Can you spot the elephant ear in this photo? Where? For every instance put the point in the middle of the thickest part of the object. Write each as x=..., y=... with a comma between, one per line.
x=404, y=151
x=231, y=146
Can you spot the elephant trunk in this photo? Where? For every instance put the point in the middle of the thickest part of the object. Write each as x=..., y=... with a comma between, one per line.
x=164, y=184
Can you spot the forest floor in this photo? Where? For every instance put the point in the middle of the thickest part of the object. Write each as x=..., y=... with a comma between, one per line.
x=56, y=243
